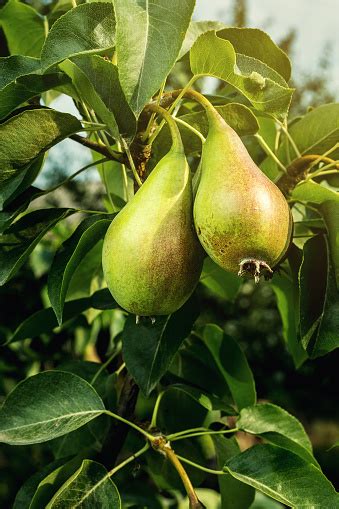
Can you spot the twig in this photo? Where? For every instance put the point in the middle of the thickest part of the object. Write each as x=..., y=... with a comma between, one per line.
x=101, y=149
x=118, y=431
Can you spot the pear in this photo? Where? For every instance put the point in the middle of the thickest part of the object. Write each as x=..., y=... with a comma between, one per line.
x=242, y=219
x=151, y=256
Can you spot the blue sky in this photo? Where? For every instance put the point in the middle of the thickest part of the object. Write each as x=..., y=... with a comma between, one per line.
x=316, y=23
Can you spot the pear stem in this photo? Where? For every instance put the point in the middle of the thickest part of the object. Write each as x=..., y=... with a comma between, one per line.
x=151, y=120
x=270, y=152
x=131, y=162
x=163, y=446
x=176, y=138
x=191, y=128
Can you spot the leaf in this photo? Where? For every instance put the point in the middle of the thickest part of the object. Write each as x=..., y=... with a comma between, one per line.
x=20, y=80
x=262, y=501
x=97, y=81
x=330, y=213
x=204, y=399
x=316, y=132
x=46, y=406
x=278, y=427
x=149, y=38
x=327, y=203
x=52, y=482
x=195, y=29
x=88, y=28
x=220, y=282
x=148, y=349
x=70, y=254
x=86, y=440
x=262, y=86
x=12, y=67
x=16, y=193
x=26, y=492
x=253, y=42
x=87, y=370
x=89, y=487
x=234, y=494
x=30, y=133
x=232, y=363
x=88, y=270
x=319, y=299
x=44, y=321
x=288, y=306
x=194, y=365
x=19, y=240
x=23, y=28
x=284, y=476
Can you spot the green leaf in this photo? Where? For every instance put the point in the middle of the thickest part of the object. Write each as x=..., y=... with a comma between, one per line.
x=284, y=476
x=319, y=299
x=70, y=254
x=327, y=203
x=97, y=81
x=52, y=482
x=277, y=426
x=19, y=240
x=194, y=365
x=204, y=399
x=288, y=305
x=23, y=28
x=29, y=134
x=148, y=349
x=16, y=193
x=316, y=132
x=232, y=363
x=46, y=406
x=88, y=271
x=12, y=67
x=86, y=440
x=44, y=321
x=27, y=490
x=262, y=86
x=87, y=370
x=20, y=80
x=234, y=494
x=88, y=28
x=220, y=282
x=89, y=487
x=195, y=29
x=149, y=38
x=256, y=43
x=262, y=501
x=330, y=213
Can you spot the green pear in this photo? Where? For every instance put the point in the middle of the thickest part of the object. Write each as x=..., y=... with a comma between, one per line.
x=242, y=219
x=151, y=256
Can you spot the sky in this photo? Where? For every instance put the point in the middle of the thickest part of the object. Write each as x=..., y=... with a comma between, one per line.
x=316, y=24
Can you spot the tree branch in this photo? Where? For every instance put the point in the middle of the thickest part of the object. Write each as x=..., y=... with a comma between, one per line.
x=118, y=431
x=101, y=149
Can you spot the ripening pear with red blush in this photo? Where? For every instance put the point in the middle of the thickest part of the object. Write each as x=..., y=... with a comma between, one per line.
x=242, y=219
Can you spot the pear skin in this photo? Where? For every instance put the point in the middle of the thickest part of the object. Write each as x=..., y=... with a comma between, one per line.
x=242, y=219
x=151, y=257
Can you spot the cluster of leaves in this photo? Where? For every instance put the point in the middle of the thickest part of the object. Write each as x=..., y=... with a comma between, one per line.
x=112, y=59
